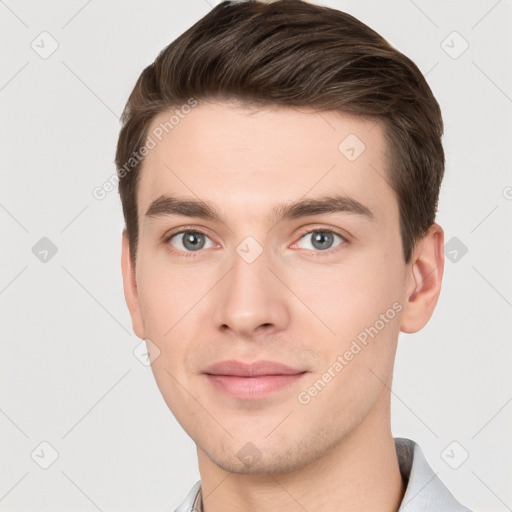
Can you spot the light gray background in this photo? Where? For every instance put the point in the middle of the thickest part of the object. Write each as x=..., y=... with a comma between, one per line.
x=68, y=374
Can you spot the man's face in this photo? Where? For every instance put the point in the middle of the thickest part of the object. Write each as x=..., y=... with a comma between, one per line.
x=255, y=285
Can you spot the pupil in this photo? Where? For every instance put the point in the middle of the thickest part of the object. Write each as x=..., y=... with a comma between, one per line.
x=321, y=239
x=193, y=241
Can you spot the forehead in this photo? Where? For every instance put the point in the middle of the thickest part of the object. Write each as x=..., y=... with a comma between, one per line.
x=241, y=159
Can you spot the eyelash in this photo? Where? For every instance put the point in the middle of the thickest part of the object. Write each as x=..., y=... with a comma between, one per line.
x=188, y=254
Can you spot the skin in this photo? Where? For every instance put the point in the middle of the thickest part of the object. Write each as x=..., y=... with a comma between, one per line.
x=294, y=304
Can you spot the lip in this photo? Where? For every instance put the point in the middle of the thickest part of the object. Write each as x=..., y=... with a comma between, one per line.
x=255, y=369
x=252, y=381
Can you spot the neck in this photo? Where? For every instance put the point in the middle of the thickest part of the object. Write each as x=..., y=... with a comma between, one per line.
x=360, y=473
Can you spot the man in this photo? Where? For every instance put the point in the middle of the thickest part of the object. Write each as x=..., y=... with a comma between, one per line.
x=279, y=168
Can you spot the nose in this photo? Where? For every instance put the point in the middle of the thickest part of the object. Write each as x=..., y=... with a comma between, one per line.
x=251, y=300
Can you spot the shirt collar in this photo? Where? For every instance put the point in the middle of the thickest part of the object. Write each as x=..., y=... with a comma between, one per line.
x=424, y=490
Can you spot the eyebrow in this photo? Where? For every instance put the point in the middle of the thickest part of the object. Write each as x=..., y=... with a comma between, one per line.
x=168, y=205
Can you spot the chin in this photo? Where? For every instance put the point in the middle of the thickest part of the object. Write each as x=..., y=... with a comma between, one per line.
x=249, y=460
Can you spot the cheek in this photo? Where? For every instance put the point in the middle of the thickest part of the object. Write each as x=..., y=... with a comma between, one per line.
x=173, y=302
x=360, y=304
x=166, y=295
x=362, y=307
x=346, y=298
x=166, y=299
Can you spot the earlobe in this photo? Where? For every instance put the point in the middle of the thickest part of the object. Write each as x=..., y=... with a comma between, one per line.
x=130, y=288
x=425, y=274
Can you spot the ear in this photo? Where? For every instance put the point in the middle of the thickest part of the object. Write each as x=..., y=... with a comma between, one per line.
x=423, y=282
x=130, y=288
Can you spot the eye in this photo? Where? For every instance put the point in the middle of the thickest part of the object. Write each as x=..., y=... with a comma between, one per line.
x=189, y=241
x=321, y=240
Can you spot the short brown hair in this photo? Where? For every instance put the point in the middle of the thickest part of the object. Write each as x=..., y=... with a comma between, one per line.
x=291, y=53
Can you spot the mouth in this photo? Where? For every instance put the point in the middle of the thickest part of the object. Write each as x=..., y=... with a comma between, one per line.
x=252, y=381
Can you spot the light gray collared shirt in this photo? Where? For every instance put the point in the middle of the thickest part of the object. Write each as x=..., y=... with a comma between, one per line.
x=424, y=492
